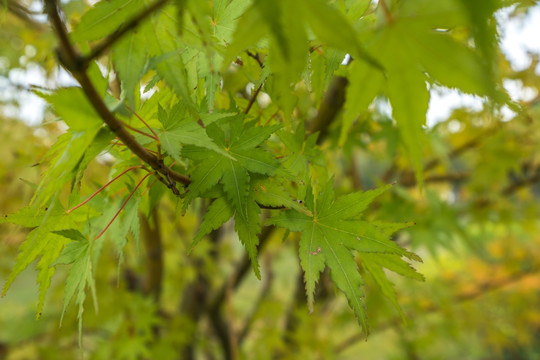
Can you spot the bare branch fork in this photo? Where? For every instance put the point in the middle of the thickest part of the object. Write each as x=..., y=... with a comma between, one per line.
x=76, y=65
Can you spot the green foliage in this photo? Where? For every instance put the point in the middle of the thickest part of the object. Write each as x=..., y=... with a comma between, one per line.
x=328, y=236
x=238, y=158
x=201, y=112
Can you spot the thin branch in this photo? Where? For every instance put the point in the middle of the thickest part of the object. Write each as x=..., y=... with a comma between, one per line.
x=409, y=181
x=123, y=205
x=103, y=187
x=407, y=177
x=146, y=124
x=256, y=57
x=253, y=98
x=469, y=145
x=140, y=132
x=117, y=35
x=515, y=186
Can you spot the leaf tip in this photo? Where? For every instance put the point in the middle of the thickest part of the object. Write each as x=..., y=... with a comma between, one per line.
x=414, y=257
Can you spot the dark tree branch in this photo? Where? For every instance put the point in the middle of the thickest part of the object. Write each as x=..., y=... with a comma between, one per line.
x=291, y=319
x=73, y=62
x=154, y=254
x=526, y=181
x=468, y=145
x=223, y=333
x=240, y=271
x=195, y=295
x=116, y=126
x=409, y=181
x=331, y=105
x=267, y=280
x=531, y=179
x=406, y=177
x=106, y=44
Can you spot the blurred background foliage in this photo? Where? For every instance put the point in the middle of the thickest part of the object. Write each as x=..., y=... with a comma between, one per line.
x=477, y=222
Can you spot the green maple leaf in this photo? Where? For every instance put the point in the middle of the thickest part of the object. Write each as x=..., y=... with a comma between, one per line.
x=242, y=157
x=70, y=148
x=180, y=129
x=129, y=60
x=45, y=241
x=225, y=16
x=328, y=237
x=301, y=151
x=78, y=253
x=104, y=18
x=163, y=47
x=237, y=156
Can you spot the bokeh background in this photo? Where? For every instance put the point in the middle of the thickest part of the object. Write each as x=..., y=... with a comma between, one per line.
x=477, y=227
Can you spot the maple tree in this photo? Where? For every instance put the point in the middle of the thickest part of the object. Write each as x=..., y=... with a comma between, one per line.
x=246, y=110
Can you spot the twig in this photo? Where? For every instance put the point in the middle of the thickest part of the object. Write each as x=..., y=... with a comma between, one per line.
x=117, y=35
x=515, y=186
x=256, y=57
x=103, y=187
x=408, y=180
x=253, y=98
x=123, y=205
x=407, y=177
x=146, y=124
x=471, y=144
x=386, y=10
x=140, y=132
